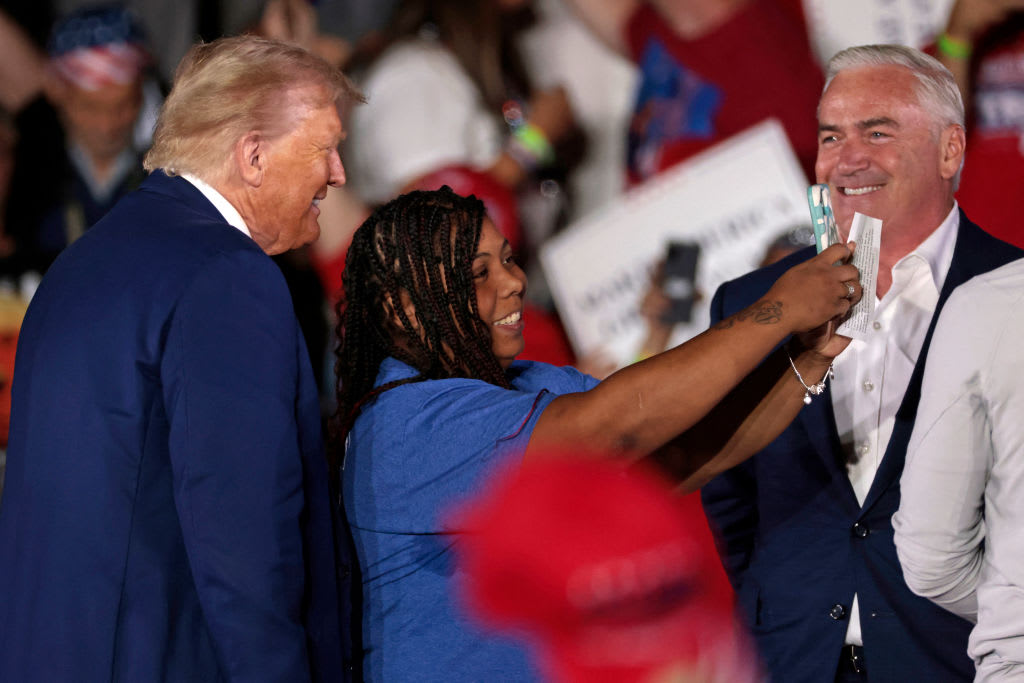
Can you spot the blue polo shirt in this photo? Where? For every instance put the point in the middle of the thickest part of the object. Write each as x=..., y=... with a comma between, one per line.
x=414, y=452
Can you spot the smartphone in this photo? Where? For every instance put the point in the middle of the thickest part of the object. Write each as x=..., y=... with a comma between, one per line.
x=826, y=233
x=679, y=280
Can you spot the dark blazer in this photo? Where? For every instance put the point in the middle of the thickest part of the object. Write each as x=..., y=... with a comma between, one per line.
x=798, y=546
x=166, y=514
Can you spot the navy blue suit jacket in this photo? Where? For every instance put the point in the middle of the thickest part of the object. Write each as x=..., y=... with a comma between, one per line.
x=166, y=512
x=798, y=546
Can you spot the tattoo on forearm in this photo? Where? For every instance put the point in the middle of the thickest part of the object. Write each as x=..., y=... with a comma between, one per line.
x=766, y=312
x=763, y=313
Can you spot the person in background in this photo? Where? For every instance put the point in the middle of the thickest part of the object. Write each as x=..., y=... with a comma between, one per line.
x=431, y=398
x=656, y=302
x=789, y=242
x=607, y=573
x=8, y=141
x=22, y=63
x=80, y=144
x=298, y=21
x=12, y=307
x=166, y=512
x=805, y=524
x=958, y=528
x=708, y=70
x=450, y=89
x=983, y=47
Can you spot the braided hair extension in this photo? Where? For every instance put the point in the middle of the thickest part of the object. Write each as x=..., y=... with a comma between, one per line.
x=417, y=248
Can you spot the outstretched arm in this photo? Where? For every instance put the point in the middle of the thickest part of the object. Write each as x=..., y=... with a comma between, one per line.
x=745, y=421
x=968, y=20
x=645, y=406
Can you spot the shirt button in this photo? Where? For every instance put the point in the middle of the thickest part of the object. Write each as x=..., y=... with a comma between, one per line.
x=877, y=325
x=868, y=386
x=837, y=612
x=863, y=449
x=860, y=530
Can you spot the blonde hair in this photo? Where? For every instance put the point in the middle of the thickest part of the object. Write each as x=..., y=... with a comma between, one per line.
x=229, y=87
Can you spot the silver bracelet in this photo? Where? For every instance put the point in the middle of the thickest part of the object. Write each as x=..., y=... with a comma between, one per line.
x=814, y=389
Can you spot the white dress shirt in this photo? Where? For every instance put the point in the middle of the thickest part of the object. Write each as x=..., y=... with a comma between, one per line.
x=872, y=374
x=960, y=525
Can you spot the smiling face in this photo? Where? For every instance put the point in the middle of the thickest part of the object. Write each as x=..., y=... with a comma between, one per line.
x=883, y=155
x=298, y=167
x=500, y=285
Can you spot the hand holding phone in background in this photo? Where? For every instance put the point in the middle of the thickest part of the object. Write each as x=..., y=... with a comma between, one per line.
x=678, y=281
x=670, y=297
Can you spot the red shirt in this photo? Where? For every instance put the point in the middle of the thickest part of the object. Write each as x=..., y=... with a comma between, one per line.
x=695, y=93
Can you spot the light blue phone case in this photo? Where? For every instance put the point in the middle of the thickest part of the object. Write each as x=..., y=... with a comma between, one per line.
x=826, y=233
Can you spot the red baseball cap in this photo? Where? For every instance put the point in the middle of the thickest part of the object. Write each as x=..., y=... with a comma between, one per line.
x=613, y=575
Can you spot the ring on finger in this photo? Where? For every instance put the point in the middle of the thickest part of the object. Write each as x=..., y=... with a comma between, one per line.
x=849, y=290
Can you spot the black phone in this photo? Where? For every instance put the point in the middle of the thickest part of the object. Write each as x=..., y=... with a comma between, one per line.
x=679, y=280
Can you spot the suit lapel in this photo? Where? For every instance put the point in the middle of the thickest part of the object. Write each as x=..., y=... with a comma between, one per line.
x=975, y=252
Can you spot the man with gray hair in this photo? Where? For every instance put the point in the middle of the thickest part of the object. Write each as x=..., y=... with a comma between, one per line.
x=166, y=514
x=805, y=524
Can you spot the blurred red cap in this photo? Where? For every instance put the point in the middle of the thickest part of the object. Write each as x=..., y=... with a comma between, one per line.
x=613, y=574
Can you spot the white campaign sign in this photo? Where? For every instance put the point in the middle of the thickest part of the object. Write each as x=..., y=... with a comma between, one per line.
x=837, y=24
x=733, y=200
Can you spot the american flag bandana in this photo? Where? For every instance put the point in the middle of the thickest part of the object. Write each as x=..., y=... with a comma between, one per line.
x=92, y=48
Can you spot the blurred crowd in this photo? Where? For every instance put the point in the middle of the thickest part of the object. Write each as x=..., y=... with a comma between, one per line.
x=547, y=110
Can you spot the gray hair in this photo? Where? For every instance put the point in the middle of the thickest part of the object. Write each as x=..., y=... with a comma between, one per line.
x=224, y=89
x=937, y=91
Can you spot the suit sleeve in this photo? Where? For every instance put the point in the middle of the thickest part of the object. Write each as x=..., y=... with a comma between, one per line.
x=230, y=377
x=730, y=499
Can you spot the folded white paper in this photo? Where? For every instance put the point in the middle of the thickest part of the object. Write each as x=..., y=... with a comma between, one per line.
x=867, y=233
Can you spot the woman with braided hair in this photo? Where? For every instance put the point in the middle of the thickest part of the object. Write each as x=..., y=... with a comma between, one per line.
x=431, y=400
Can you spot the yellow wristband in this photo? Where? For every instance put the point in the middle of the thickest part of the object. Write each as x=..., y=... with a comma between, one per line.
x=531, y=146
